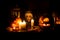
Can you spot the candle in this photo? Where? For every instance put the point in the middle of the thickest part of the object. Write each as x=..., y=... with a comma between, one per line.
x=20, y=24
x=23, y=24
x=32, y=22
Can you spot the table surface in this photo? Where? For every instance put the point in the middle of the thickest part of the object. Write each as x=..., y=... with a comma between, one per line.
x=35, y=28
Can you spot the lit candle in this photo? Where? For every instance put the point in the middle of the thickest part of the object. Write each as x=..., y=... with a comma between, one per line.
x=24, y=23
x=32, y=22
x=20, y=24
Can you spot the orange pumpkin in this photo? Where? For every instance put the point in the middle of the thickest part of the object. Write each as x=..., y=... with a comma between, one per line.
x=43, y=20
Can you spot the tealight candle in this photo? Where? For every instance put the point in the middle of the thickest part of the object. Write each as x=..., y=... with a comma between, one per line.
x=24, y=23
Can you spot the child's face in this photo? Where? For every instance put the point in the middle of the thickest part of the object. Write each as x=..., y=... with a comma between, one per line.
x=28, y=17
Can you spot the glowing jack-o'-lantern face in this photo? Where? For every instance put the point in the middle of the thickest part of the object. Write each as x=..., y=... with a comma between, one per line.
x=15, y=26
x=16, y=22
x=44, y=21
x=28, y=16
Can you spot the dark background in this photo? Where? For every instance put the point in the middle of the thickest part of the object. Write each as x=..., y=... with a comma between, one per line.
x=38, y=7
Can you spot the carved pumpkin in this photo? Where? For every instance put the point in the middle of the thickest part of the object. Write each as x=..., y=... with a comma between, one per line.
x=43, y=21
x=15, y=25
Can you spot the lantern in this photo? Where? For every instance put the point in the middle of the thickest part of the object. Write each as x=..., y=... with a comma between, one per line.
x=15, y=12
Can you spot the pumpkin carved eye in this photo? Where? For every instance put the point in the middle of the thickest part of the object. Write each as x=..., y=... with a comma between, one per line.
x=46, y=19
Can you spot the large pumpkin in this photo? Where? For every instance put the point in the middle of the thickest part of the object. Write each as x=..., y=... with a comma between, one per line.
x=43, y=21
x=16, y=23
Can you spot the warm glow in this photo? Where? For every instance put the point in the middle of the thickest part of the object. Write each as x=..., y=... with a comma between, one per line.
x=20, y=23
x=57, y=18
x=13, y=25
x=16, y=22
x=16, y=25
x=46, y=24
x=24, y=23
x=57, y=22
x=46, y=20
x=42, y=21
x=32, y=22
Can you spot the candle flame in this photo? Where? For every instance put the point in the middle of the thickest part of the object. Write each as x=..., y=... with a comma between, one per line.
x=32, y=20
x=24, y=22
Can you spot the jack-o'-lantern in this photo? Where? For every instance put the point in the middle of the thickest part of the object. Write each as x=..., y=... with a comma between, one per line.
x=15, y=25
x=44, y=21
x=15, y=13
x=16, y=22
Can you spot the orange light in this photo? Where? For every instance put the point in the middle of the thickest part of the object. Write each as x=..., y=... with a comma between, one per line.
x=13, y=25
x=32, y=22
x=42, y=21
x=46, y=24
x=57, y=18
x=46, y=20
x=57, y=22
